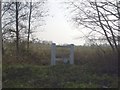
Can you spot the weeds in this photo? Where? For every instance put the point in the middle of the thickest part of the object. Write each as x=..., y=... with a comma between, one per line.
x=92, y=68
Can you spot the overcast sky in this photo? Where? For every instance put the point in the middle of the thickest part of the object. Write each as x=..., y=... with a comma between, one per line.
x=57, y=28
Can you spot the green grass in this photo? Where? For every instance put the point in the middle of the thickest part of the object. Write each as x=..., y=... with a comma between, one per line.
x=62, y=76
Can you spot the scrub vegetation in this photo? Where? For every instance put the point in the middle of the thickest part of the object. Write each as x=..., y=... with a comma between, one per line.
x=93, y=68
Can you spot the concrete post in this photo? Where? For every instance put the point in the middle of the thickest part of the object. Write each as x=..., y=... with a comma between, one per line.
x=71, y=54
x=53, y=54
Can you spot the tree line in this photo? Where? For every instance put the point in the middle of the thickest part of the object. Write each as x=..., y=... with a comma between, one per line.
x=20, y=19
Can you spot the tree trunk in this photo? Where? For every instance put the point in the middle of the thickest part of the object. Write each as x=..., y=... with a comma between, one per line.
x=17, y=31
x=29, y=25
x=3, y=51
x=0, y=49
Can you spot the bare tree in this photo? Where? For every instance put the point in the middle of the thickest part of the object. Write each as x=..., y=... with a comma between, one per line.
x=12, y=18
x=4, y=9
x=36, y=14
x=23, y=16
x=17, y=31
x=29, y=21
x=99, y=17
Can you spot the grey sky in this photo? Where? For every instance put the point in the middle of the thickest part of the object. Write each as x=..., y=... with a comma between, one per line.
x=57, y=29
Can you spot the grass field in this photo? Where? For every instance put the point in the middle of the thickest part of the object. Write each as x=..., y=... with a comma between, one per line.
x=62, y=76
x=92, y=68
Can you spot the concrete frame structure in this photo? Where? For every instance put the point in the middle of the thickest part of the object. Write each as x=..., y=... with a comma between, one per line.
x=53, y=54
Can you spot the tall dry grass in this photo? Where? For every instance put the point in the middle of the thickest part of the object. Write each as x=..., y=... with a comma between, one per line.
x=40, y=54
